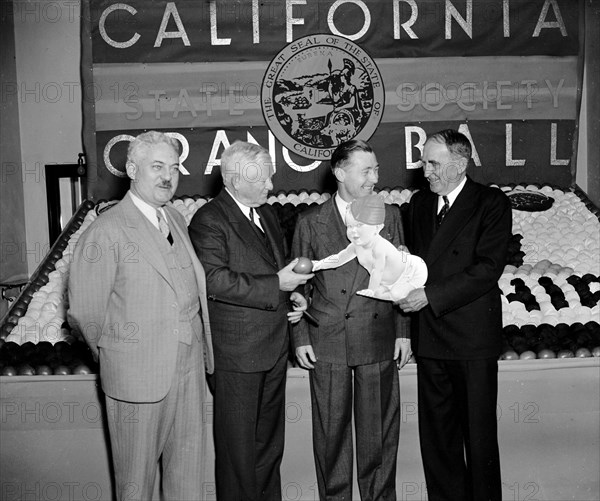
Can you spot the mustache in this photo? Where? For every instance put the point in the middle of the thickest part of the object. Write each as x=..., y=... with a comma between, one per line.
x=166, y=184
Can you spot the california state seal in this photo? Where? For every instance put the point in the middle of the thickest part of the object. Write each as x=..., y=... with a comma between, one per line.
x=319, y=91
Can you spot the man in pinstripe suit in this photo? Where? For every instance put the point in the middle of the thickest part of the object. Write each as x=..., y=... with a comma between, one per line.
x=137, y=294
x=354, y=353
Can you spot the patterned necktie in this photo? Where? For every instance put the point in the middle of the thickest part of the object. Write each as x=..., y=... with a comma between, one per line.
x=444, y=211
x=163, y=225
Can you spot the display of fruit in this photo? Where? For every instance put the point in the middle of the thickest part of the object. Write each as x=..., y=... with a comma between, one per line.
x=550, y=285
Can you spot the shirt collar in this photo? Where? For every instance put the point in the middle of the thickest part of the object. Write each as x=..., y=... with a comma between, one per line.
x=453, y=194
x=146, y=208
x=244, y=208
x=342, y=206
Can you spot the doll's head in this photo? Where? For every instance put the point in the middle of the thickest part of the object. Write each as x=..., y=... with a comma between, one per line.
x=369, y=209
x=365, y=218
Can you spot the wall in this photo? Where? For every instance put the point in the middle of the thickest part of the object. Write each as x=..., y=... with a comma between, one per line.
x=12, y=214
x=49, y=97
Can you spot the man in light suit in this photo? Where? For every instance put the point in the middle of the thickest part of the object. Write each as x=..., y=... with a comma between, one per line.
x=239, y=241
x=351, y=353
x=137, y=294
x=461, y=229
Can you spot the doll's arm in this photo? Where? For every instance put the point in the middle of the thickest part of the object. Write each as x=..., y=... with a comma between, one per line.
x=335, y=260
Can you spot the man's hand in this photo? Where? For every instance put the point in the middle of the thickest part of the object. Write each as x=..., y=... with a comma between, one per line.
x=299, y=305
x=306, y=356
x=402, y=352
x=289, y=280
x=415, y=301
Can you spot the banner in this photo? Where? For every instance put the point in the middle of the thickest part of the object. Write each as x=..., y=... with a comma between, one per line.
x=301, y=76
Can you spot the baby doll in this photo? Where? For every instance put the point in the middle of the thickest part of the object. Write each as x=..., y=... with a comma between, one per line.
x=394, y=273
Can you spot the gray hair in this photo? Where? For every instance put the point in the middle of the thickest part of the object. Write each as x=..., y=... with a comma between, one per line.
x=236, y=157
x=147, y=139
x=457, y=143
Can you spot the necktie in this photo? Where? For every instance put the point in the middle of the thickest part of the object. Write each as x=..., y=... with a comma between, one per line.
x=444, y=211
x=254, y=221
x=163, y=225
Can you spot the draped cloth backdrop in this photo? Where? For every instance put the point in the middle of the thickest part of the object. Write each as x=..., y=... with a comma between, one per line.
x=300, y=76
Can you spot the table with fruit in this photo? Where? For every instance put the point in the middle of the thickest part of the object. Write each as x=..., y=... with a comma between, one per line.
x=550, y=285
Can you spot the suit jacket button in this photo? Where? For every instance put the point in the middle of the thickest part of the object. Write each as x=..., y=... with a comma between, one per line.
x=347, y=315
x=343, y=291
x=376, y=315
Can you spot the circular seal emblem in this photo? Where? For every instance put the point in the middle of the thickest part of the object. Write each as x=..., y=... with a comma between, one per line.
x=320, y=91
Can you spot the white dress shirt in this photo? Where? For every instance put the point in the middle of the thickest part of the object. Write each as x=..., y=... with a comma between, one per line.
x=147, y=210
x=342, y=206
x=246, y=211
x=451, y=196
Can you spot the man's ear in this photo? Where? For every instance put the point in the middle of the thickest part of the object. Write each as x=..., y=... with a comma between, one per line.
x=131, y=169
x=340, y=174
x=379, y=227
x=234, y=181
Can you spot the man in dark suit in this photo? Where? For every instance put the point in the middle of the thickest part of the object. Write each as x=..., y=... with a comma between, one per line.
x=461, y=229
x=137, y=294
x=351, y=353
x=241, y=245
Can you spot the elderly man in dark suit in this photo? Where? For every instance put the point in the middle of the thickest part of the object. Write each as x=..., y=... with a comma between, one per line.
x=461, y=229
x=241, y=245
x=351, y=353
x=137, y=293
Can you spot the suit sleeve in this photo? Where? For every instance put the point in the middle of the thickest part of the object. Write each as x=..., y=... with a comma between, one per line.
x=91, y=281
x=489, y=258
x=226, y=281
x=395, y=234
x=301, y=248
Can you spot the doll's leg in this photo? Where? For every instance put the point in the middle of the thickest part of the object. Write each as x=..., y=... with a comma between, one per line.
x=417, y=272
x=400, y=290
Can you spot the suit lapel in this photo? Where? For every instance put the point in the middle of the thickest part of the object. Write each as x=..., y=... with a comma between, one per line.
x=457, y=217
x=198, y=268
x=136, y=226
x=242, y=226
x=331, y=231
x=182, y=233
x=273, y=234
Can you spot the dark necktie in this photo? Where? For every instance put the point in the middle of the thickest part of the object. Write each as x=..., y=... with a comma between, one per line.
x=444, y=211
x=254, y=223
x=163, y=225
